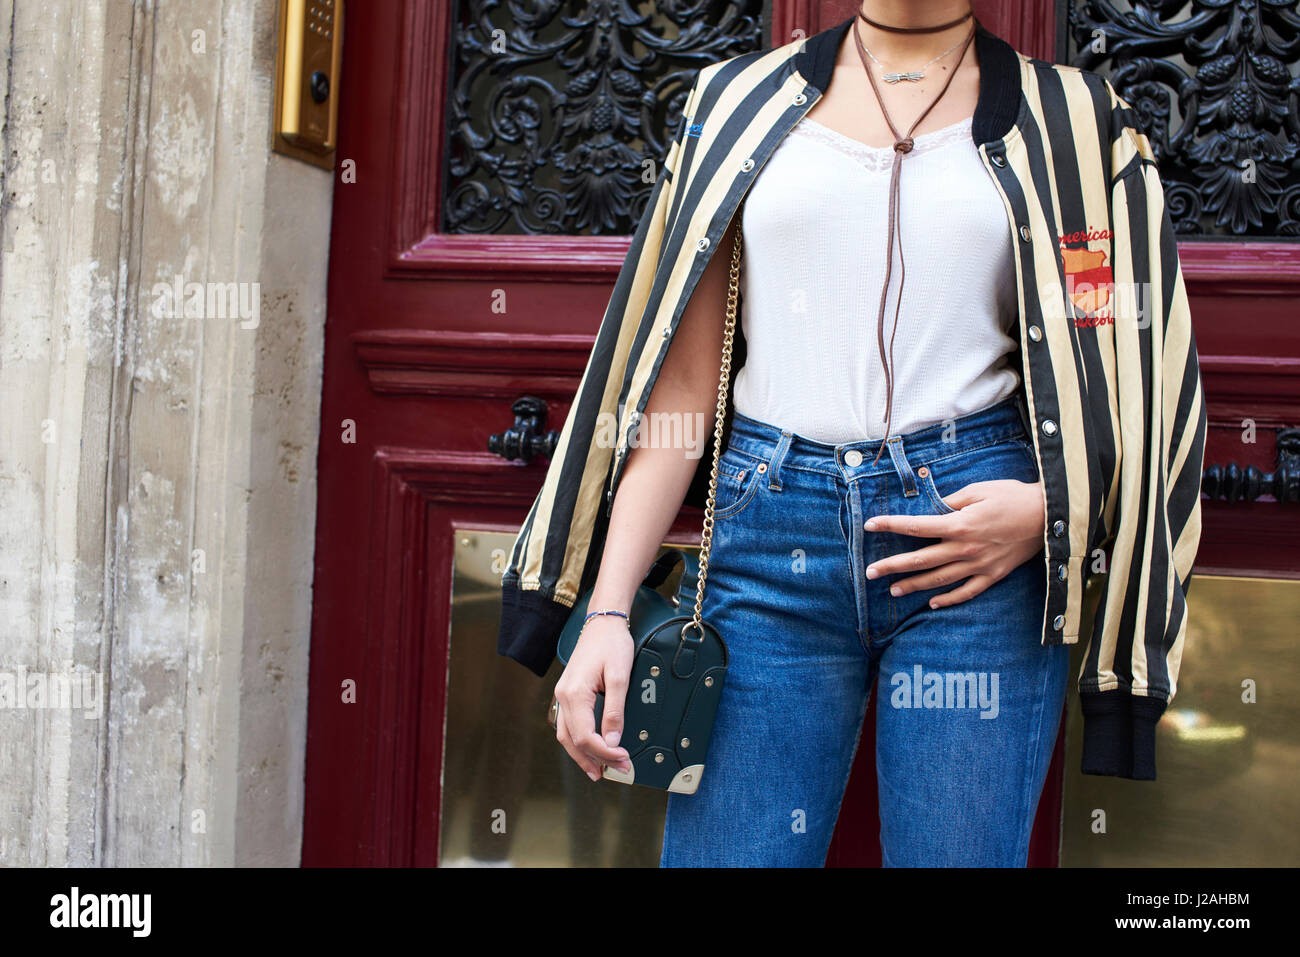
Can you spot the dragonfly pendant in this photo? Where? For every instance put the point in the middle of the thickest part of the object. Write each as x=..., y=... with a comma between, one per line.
x=914, y=76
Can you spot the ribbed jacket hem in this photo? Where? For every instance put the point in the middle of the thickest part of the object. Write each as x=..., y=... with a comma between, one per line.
x=1119, y=734
x=531, y=622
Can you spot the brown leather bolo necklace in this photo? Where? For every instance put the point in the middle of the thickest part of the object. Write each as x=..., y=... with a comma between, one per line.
x=902, y=146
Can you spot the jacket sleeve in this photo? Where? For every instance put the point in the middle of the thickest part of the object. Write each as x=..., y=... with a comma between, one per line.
x=556, y=553
x=1130, y=669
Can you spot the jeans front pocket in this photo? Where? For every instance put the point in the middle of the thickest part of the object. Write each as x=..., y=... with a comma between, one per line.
x=739, y=475
x=925, y=478
x=1007, y=459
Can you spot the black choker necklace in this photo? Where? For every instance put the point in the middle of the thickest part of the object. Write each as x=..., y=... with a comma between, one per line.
x=942, y=26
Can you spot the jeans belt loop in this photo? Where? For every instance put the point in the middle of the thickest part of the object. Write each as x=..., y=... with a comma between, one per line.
x=902, y=466
x=778, y=457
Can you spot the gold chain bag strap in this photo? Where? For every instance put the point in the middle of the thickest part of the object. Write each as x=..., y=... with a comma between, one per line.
x=724, y=379
x=680, y=662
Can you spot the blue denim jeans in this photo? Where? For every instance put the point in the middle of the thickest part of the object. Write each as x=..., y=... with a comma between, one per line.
x=969, y=700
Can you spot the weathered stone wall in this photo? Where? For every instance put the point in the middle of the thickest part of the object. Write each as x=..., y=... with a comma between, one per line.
x=157, y=468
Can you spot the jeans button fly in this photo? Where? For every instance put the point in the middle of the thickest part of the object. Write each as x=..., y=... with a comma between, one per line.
x=853, y=458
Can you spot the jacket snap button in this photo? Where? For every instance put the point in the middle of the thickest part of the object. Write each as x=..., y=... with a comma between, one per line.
x=800, y=99
x=1034, y=333
x=659, y=758
x=998, y=159
x=746, y=166
x=1058, y=622
x=1024, y=233
x=1049, y=427
x=1058, y=528
x=1062, y=572
x=703, y=243
x=853, y=458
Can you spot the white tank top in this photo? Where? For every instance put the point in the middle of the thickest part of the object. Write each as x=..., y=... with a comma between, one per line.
x=814, y=226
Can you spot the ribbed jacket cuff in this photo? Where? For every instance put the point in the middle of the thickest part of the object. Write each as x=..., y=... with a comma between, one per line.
x=1119, y=734
x=530, y=627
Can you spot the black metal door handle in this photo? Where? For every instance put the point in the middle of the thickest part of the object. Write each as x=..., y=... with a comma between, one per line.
x=526, y=439
x=1232, y=483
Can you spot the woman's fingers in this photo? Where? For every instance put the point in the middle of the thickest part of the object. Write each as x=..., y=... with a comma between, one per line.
x=974, y=543
x=580, y=758
x=943, y=575
x=601, y=661
x=578, y=709
x=598, y=751
x=968, y=495
x=931, y=556
x=611, y=720
x=918, y=526
x=966, y=592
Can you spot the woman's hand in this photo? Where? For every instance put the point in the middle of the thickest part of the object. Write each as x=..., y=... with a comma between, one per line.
x=998, y=527
x=601, y=661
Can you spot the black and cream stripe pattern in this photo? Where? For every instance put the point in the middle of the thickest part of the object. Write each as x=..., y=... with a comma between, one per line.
x=1116, y=407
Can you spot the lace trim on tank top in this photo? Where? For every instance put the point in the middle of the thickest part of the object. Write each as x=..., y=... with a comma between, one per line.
x=880, y=158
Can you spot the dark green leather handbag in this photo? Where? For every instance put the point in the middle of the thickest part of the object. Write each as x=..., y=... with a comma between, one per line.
x=673, y=692
x=680, y=661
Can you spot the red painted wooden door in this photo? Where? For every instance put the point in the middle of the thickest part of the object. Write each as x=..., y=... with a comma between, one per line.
x=422, y=366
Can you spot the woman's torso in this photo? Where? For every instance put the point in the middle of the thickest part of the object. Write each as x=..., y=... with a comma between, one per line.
x=815, y=225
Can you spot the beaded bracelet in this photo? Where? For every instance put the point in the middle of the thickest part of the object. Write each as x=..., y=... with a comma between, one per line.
x=606, y=611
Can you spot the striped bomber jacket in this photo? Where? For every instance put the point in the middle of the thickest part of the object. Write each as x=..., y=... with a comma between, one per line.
x=1109, y=363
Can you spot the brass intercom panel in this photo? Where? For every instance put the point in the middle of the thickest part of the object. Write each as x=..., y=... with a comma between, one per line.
x=307, y=80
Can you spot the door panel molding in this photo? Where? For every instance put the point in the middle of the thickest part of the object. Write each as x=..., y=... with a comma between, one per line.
x=1248, y=267
x=498, y=365
x=420, y=498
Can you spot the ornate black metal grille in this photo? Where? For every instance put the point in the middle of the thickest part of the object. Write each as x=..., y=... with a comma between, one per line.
x=1214, y=82
x=560, y=110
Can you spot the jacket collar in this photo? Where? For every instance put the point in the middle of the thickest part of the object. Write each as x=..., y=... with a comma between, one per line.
x=999, y=99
